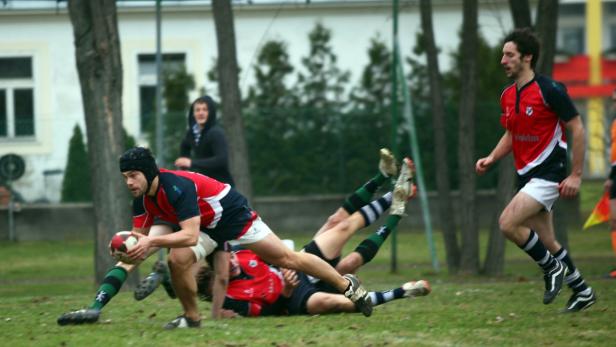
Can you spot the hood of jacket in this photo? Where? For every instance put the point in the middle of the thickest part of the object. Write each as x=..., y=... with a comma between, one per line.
x=211, y=118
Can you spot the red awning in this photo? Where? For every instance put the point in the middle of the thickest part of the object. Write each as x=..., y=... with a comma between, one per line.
x=574, y=73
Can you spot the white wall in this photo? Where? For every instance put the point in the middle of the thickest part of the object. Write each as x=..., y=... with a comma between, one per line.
x=47, y=35
x=48, y=39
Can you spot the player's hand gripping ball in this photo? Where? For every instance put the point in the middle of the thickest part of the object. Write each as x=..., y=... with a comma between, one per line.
x=120, y=244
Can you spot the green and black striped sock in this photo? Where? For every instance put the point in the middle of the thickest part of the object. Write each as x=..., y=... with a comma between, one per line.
x=362, y=196
x=113, y=281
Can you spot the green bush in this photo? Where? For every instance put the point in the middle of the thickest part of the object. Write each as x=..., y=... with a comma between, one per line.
x=76, y=184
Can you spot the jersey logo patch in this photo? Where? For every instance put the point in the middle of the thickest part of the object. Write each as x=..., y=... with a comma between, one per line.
x=177, y=190
x=529, y=111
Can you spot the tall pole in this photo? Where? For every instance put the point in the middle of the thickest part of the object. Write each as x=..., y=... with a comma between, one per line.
x=419, y=176
x=159, y=97
x=595, y=105
x=394, y=119
x=159, y=100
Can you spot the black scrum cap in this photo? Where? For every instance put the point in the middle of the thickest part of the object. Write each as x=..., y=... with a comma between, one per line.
x=139, y=159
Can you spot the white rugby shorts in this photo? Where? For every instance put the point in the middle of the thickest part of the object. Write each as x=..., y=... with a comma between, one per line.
x=257, y=231
x=544, y=192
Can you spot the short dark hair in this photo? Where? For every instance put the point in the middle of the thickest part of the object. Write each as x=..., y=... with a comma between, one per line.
x=526, y=42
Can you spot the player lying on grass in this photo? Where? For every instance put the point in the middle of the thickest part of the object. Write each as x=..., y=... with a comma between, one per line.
x=198, y=207
x=257, y=289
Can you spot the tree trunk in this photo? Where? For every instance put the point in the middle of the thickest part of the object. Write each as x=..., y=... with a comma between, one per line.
x=97, y=52
x=230, y=95
x=545, y=27
x=469, y=261
x=495, y=256
x=520, y=11
x=448, y=224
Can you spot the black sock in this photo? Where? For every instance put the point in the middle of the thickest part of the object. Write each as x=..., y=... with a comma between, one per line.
x=574, y=278
x=372, y=211
x=362, y=196
x=110, y=287
x=370, y=246
x=535, y=248
x=382, y=297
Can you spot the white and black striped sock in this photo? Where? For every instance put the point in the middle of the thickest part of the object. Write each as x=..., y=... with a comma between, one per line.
x=375, y=209
x=574, y=278
x=535, y=248
x=382, y=297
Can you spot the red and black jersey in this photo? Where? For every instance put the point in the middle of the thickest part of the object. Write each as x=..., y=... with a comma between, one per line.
x=534, y=115
x=256, y=289
x=181, y=195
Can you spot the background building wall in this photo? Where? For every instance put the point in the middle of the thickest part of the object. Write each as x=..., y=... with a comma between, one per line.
x=46, y=35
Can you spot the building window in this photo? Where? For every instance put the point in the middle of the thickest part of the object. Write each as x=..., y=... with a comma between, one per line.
x=612, y=46
x=572, y=40
x=572, y=10
x=16, y=97
x=147, y=83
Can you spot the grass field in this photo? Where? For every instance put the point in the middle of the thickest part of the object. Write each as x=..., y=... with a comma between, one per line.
x=39, y=281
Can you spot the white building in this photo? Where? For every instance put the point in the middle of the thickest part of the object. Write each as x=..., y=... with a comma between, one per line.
x=40, y=98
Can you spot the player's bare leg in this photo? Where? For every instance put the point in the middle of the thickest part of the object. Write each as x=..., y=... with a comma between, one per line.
x=404, y=190
x=363, y=195
x=181, y=261
x=273, y=251
x=331, y=242
x=522, y=213
x=323, y=303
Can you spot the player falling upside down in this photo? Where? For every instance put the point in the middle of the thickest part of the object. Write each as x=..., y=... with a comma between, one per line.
x=202, y=209
x=258, y=289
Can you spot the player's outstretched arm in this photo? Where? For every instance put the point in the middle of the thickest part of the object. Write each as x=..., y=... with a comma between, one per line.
x=220, y=283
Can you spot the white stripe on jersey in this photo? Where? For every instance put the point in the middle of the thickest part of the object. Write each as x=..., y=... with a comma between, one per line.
x=214, y=202
x=556, y=139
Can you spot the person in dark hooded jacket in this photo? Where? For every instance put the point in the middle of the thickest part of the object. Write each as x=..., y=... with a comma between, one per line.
x=204, y=147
